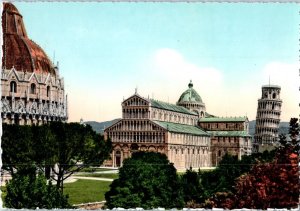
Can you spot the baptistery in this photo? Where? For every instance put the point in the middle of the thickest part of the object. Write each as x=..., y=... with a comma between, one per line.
x=32, y=91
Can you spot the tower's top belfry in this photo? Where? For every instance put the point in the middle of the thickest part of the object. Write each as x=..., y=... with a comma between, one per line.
x=271, y=92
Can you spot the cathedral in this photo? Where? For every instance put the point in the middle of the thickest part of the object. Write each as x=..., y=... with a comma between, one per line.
x=188, y=135
x=32, y=90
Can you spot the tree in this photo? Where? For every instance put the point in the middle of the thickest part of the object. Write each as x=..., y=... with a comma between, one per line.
x=31, y=191
x=223, y=178
x=293, y=143
x=63, y=147
x=25, y=145
x=42, y=140
x=146, y=180
x=74, y=147
x=193, y=191
x=17, y=147
x=268, y=185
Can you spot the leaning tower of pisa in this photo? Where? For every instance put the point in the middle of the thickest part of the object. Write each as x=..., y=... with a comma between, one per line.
x=267, y=118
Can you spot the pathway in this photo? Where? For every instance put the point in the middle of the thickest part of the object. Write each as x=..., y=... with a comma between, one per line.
x=75, y=178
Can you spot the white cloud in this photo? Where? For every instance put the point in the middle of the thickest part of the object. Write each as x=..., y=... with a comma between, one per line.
x=170, y=74
x=242, y=99
x=171, y=63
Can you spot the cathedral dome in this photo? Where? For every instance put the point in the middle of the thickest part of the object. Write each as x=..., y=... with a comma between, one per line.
x=190, y=95
x=18, y=50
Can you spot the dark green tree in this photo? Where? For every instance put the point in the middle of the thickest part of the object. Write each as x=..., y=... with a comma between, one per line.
x=31, y=191
x=193, y=191
x=146, y=180
x=222, y=178
x=17, y=147
x=293, y=141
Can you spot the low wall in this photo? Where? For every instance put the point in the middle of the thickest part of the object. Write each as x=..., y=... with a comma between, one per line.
x=90, y=206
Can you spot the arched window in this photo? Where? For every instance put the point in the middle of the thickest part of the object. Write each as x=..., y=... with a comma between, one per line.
x=32, y=89
x=48, y=91
x=202, y=114
x=13, y=86
x=134, y=147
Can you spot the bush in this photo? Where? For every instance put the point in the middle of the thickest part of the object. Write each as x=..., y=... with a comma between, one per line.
x=146, y=180
x=31, y=192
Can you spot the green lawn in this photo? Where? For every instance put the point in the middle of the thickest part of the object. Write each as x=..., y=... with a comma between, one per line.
x=84, y=191
x=3, y=192
x=110, y=175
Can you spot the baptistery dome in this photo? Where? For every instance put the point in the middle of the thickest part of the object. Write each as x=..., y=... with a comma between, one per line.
x=32, y=90
x=21, y=52
x=191, y=100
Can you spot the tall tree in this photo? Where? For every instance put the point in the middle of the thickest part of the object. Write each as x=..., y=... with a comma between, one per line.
x=146, y=180
x=74, y=147
x=17, y=147
x=42, y=140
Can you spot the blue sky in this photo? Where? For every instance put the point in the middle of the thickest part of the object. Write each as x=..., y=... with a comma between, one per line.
x=106, y=50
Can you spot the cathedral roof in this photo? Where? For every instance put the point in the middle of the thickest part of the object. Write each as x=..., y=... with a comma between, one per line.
x=224, y=119
x=182, y=128
x=170, y=107
x=239, y=133
x=190, y=95
x=18, y=50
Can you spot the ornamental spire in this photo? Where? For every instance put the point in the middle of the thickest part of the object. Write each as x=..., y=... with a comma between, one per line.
x=191, y=84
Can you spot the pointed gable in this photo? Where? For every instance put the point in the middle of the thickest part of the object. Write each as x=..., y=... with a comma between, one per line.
x=33, y=78
x=136, y=100
x=13, y=74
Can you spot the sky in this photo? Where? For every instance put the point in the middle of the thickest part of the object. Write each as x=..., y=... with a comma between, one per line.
x=229, y=51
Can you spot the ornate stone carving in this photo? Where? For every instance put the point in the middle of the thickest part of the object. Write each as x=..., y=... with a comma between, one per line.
x=5, y=106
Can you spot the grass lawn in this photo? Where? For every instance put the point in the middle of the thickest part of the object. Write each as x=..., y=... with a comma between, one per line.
x=110, y=175
x=3, y=192
x=84, y=191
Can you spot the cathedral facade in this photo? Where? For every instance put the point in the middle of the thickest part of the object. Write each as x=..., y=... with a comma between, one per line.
x=32, y=89
x=184, y=131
